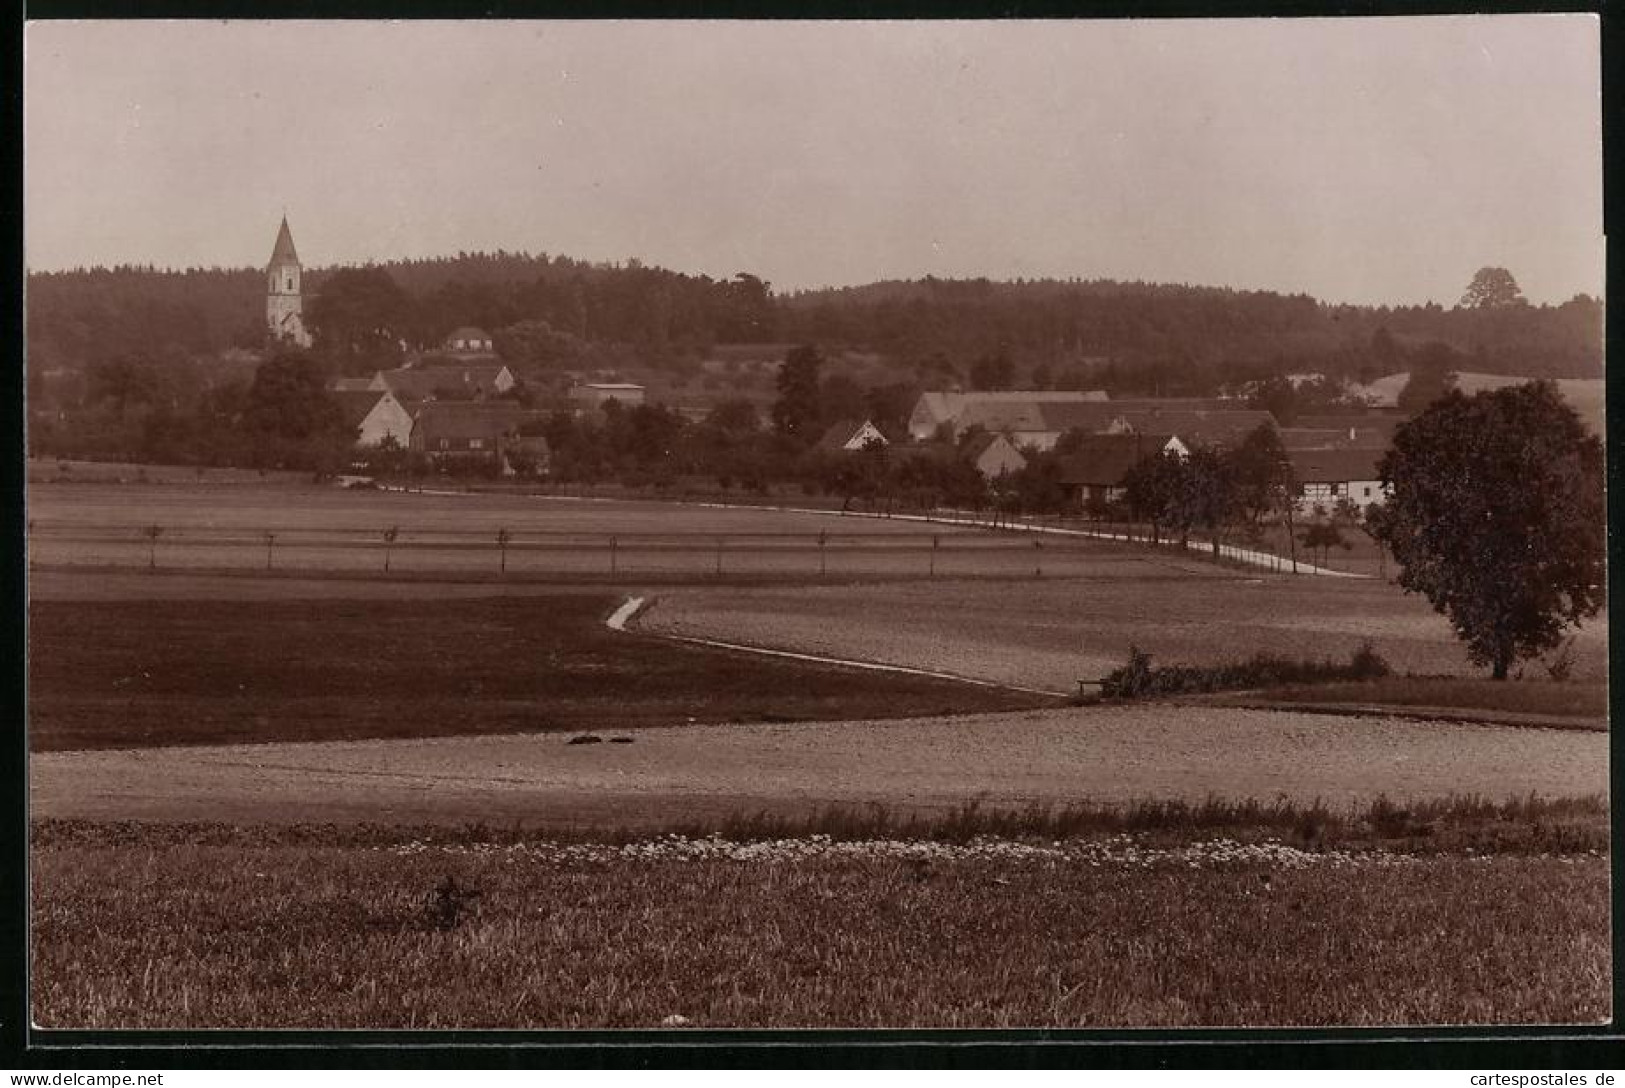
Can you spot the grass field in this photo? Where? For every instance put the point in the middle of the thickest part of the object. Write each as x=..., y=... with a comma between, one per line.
x=890, y=935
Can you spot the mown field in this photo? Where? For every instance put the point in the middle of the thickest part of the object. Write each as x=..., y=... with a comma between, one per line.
x=1050, y=634
x=708, y=935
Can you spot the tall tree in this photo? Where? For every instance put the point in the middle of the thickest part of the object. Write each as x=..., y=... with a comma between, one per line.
x=359, y=316
x=796, y=412
x=1432, y=375
x=1491, y=287
x=1261, y=475
x=1497, y=515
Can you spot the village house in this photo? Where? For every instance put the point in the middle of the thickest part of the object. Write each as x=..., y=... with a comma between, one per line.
x=1327, y=476
x=447, y=431
x=376, y=417
x=446, y=379
x=936, y=408
x=1095, y=471
x=468, y=340
x=993, y=455
x=850, y=435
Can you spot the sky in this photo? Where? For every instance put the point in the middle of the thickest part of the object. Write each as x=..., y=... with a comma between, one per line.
x=1368, y=161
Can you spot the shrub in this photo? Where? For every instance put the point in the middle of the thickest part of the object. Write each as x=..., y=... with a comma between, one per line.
x=1132, y=680
x=1138, y=677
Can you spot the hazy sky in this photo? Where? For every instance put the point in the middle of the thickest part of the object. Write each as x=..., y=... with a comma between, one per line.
x=1357, y=160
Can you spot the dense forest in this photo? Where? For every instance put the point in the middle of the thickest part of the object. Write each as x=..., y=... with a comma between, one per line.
x=561, y=313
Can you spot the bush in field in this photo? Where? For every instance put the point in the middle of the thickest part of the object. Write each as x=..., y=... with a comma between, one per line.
x=1139, y=678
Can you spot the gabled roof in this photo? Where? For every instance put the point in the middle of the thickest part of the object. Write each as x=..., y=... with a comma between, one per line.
x=283, y=252
x=1335, y=466
x=451, y=378
x=357, y=404
x=1103, y=460
x=843, y=432
x=461, y=420
x=945, y=405
x=1366, y=429
x=980, y=442
x=1006, y=415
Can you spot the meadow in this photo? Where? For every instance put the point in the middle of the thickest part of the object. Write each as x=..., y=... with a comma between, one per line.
x=713, y=935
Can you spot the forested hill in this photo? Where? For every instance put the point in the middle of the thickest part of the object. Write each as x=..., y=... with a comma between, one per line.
x=1046, y=329
x=1106, y=319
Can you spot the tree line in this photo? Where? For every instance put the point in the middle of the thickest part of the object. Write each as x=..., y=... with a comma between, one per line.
x=555, y=312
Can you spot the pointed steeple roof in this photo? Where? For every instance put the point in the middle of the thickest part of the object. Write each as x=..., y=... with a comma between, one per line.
x=284, y=253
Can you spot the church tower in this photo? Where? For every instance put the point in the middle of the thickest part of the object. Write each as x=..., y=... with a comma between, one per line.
x=284, y=302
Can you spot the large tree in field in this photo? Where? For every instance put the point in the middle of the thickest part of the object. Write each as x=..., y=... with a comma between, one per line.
x=1497, y=515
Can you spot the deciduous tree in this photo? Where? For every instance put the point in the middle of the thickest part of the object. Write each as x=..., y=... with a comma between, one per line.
x=1497, y=516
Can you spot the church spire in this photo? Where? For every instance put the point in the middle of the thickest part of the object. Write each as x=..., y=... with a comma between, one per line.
x=284, y=253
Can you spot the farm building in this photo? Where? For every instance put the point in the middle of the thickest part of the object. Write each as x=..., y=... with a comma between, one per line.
x=1371, y=429
x=468, y=340
x=1194, y=420
x=446, y=379
x=1327, y=476
x=448, y=430
x=1097, y=466
x=596, y=394
x=850, y=434
x=994, y=455
x=936, y=408
x=375, y=416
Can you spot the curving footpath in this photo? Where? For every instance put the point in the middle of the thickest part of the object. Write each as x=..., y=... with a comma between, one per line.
x=630, y=607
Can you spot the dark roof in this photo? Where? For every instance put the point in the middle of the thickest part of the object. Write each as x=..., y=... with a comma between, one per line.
x=1193, y=419
x=283, y=252
x=1368, y=429
x=1334, y=466
x=839, y=434
x=978, y=443
x=453, y=419
x=356, y=404
x=1312, y=438
x=1103, y=460
x=447, y=378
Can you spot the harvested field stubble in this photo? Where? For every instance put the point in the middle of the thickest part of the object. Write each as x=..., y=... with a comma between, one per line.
x=189, y=936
